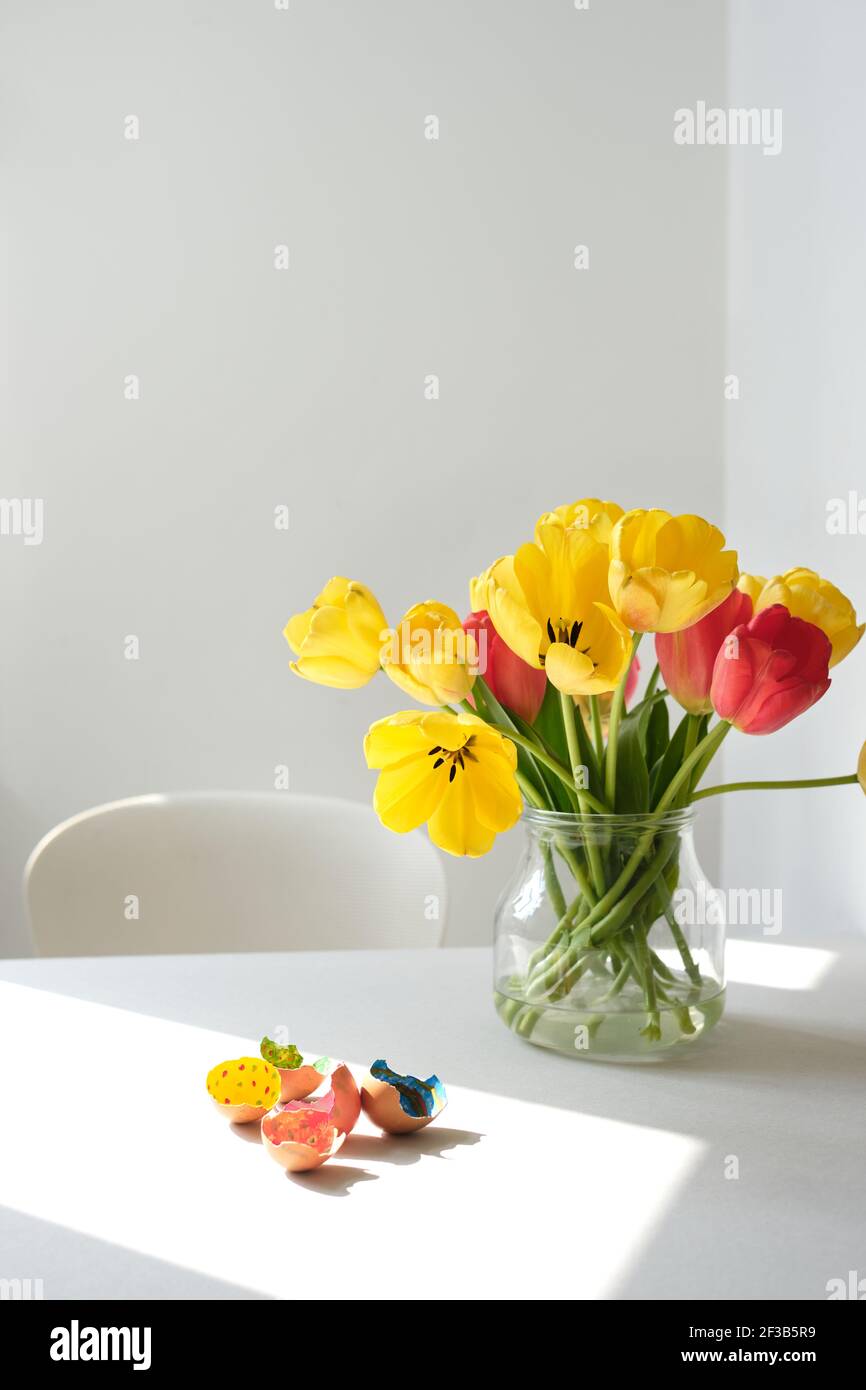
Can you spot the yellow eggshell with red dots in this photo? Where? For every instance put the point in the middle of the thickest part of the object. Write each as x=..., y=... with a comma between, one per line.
x=243, y=1089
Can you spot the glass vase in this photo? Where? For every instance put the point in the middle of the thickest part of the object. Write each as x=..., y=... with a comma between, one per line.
x=609, y=940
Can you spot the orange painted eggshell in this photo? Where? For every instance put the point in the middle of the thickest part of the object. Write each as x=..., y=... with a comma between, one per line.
x=302, y=1134
x=347, y=1099
x=244, y=1089
x=400, y=1104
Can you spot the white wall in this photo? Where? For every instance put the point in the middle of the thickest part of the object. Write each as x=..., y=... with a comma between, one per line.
x=797, y=436
x=258, y=387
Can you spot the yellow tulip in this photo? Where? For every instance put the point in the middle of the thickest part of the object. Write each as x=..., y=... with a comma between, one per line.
x=751, y=584
x=589, y=514
x=667, y=572
x=338, y=640
x=861, y=768
x=430, y=657
x=806, y=595
x=550, y=604
x=450, y=770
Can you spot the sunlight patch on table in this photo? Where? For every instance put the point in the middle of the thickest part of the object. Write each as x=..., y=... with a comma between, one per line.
x=499, y=1199
x=773, y=965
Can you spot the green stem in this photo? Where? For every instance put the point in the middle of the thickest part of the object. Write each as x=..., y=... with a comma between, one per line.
x=489, y=709
x=553, y=886
x=624, y=972
x=603, y=911
x=603, y=928
x=652, y=682
x=540, y=756
x=554, y=890
x=566, y=704
x=664, y=897
x=845, y=780
x=597, y=732
x=616, y=709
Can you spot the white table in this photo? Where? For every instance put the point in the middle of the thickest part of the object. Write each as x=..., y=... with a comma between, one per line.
x=546, y=1177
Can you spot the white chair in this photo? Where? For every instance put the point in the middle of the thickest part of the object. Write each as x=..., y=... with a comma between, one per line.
x=231, y=871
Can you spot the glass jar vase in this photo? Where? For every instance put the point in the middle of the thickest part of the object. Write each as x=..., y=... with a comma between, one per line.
x=609, y=941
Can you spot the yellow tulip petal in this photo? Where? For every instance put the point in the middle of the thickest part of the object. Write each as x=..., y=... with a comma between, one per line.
x=454, y=825
x=297, y=628
x=405, y=680
x=407, y=795
x=332, y=671
x=569, y=670
x=751, y=584
x=589, y=514
x=490, y=740
x=806, y=595
x=334, y=592
x=495, y=792
x=514, y=623
x=430, y=656
x=638, y=598
x=337, y=640
x=394, y=739
x=667, y=572
x=365, y=616
x=533, y=572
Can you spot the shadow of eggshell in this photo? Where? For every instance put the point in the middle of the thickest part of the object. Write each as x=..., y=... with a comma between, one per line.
x=302, y=1134
x=244, y=1089
x=400, y=1104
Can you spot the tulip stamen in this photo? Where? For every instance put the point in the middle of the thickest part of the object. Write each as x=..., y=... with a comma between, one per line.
x=455, y=758
x=568, y=633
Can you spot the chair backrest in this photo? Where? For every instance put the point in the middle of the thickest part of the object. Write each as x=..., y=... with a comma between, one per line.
x=230, y=871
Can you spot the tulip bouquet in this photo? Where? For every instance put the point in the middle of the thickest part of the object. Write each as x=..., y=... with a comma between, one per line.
x=530, y=706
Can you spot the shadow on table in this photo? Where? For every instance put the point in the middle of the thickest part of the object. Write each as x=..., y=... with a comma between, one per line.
x=333, y=1179
x=337, y=1178
x=405, y=1149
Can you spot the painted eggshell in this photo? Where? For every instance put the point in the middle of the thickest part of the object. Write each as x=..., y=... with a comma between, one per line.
x=299, y=1082
x=399, y=1104
x=244, y=1089
x=347, y=1099
x=301, y=1134
x=298, y=1079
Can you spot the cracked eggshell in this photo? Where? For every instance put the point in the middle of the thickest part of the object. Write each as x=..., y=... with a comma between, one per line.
x=347, y=1098
x=244, y=1089
x=297, y=1083
x=400, y=1104
x=298, y=1079
x=302, y=1134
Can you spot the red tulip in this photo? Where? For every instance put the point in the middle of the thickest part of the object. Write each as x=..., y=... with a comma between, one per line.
x=631, y=680
x=770, y=670
x=686, y=658
x=516, y=685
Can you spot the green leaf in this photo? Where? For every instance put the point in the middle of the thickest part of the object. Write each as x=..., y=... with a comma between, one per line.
x=657, y=733
x=588, y=756
x=632, y=777
x=667, y=767
x=542, y=778
x=548, y=724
